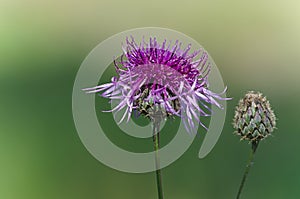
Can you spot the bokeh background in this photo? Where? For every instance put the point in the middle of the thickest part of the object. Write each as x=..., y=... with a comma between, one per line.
x=255, y=44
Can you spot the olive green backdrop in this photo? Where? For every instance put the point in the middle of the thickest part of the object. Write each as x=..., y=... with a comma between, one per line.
x=255, y=44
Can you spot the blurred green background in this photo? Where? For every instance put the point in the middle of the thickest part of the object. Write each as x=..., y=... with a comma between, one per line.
x=255, y=44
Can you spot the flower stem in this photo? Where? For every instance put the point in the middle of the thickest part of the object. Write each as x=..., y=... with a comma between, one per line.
x=156, y=126
x=249, y=164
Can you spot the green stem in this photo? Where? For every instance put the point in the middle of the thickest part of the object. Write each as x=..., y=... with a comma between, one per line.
x=249, y=164
x=157, y=161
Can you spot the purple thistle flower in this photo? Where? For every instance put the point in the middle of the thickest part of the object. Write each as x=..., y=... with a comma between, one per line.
x=164, y=79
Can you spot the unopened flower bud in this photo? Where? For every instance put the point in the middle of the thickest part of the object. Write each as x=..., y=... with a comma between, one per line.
x=254, y=119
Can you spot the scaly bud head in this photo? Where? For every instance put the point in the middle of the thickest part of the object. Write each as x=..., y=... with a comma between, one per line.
x=254, y=119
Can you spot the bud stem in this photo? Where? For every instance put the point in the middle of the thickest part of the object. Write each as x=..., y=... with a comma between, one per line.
x=250, y=163
x=156, y=125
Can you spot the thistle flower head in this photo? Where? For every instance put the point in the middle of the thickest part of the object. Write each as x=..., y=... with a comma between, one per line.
x=254, y=119
x=161, y=79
